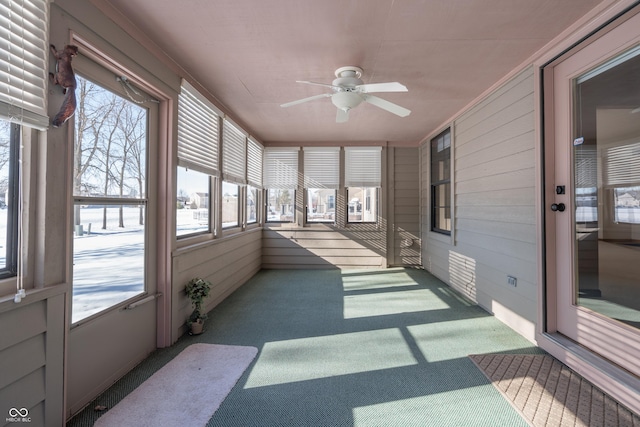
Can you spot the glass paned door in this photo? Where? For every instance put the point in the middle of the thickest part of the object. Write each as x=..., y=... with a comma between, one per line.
x=592, y=216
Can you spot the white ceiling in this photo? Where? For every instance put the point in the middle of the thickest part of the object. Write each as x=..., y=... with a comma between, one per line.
x=249, y=54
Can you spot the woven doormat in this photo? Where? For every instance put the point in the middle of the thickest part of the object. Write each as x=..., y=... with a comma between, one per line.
x=547, y=393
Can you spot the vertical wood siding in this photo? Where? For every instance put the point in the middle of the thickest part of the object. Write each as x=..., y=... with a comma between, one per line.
x=494, y=206
x=405, y=200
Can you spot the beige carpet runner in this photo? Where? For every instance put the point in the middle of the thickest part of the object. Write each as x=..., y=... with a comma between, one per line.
x=547, y=393
x=186, y=391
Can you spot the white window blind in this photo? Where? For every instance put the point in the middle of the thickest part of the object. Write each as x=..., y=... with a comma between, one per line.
x=321, y=167
x=586, y=166
x=234, y=153
x=280, y=167
x=23, y=53
x=198, y=134
x=254, y=163
x=362, y=166
x=622, y=165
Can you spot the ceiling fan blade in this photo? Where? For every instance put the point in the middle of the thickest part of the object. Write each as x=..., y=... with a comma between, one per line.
x=316, y=84
x=386, y=105
x=342, y=116
x=382, y=87
x=311, y=98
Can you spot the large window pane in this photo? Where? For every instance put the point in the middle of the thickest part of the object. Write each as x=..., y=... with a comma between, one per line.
x=193, y=203
x=281, y=205
x=230, y=205
x=9, y=143
x=321, y=205
x=441, y=183
x=109, y=188
x=441, y=212
x=108, y=263
x=606, y=169
x=362, y=205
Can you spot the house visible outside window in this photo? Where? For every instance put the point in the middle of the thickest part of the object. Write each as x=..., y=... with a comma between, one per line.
x=230, y=204
x=193, y=202
x=197, y=171
x=363, y=172
x=110, y=199
x=9, y=175
x=281, y=205
x=362, y=204
x=441, y=183
x=321, y=180
x=280, y=179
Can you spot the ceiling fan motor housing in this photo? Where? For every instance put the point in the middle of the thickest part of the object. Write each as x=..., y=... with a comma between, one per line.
x=347, y=78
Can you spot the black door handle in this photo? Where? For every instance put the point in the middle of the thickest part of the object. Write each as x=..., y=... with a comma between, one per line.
x=558, y=207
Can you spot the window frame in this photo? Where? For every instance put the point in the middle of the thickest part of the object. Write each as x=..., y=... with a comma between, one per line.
x=239, y=198
x=100, y=75
x=190, y=101
x=308, y=203
x=435, y=185
x=211, y=223
x=249, y=223
x=266, y=206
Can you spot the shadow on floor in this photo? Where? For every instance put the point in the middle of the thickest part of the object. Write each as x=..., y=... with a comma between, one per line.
x=350, y=348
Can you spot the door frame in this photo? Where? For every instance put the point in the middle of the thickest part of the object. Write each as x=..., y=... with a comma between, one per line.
x=609, y=377
x=160, y=177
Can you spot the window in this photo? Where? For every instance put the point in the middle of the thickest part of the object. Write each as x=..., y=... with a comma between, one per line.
x=193, y=202
x=23, y=95
x=9, y=202
x=441, y=183
x=110, y=199
x=281, y=205
x=198, y=141
x=362, y=204
x=254, y=179
x=321, y=179
x=363, y=167
x=230, y=205
x=321, y=205
x=280, y=178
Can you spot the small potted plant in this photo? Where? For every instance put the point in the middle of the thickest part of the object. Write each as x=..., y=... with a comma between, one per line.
x=197, y=290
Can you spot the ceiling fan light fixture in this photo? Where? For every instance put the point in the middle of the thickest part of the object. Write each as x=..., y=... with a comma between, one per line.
x=346, y=100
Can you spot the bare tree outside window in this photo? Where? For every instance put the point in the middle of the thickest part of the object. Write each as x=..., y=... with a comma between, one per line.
x=109, y=188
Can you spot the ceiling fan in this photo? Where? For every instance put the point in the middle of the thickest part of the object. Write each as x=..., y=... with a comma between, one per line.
x=349, y=91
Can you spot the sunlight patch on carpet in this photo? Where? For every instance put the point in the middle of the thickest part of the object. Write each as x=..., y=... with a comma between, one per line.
x=392, y=302
x=304, y=359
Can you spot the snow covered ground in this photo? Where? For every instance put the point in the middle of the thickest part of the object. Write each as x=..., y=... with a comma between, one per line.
x=108, y=265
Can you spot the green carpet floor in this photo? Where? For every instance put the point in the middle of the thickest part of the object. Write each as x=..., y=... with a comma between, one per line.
x=349, y=348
